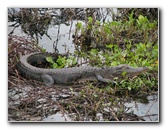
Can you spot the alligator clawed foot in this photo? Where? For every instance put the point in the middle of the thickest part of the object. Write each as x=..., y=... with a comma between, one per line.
x=47, y=79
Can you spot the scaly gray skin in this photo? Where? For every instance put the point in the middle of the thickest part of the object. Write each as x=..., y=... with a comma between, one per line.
x=74, y=74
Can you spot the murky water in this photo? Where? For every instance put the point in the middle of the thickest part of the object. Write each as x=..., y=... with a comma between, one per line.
x=64, y=43
x=149, y=111
x=65, y=39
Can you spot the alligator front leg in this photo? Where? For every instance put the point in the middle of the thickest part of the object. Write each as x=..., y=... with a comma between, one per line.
x=47, y=79
x=105, y=80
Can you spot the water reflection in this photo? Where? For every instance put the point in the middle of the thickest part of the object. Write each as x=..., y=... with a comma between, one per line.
x=149, y=111
x=65, y=39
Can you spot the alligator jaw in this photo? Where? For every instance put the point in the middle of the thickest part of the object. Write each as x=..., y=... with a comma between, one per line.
x=126, y=70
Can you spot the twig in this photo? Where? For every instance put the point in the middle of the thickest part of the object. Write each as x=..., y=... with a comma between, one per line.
x=114, y=114
x=70, y=29
x=150, y=107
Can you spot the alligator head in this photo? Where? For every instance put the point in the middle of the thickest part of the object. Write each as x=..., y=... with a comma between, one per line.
x=127, y=71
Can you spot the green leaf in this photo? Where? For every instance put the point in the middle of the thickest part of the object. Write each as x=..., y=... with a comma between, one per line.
x=129, y=88
x=145, y=63
x=71, y=61
x=94, y=52
x=114, y=23
x=124, y=73
x=61, y=61
x=109, y=46
x=111, y=99
x=43, y=50
x=50, y=59
x=114, y=63
x=90, y=19
x=79, y=25
x=131, y=19
x=141, y=18
x=128, y=45
x=152, y=25
x=74, y=61
x=97, y=22
x=55, y=65
x=149, y=44
x=68, y=61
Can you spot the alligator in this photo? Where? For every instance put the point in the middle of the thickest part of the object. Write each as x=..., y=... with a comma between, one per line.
x=28, y=67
